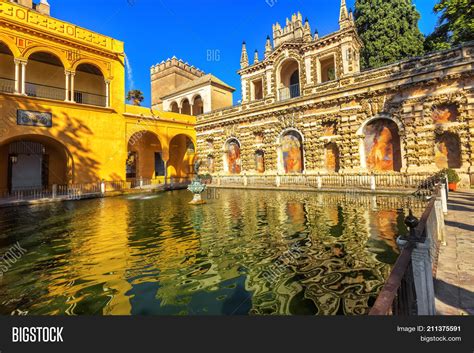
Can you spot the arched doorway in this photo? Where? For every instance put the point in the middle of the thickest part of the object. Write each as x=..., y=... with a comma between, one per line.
x=332, y=162
x=198, y=106
x=289, y=80
x=185, y=107
x=181, y=157
x=34, y=162
x=174, y=107
x=90, y=86
x=291, y=155
x=7, y=69
x=232, y=160
x=145, y=156
x=45, y=76
x=448, y=151
x=382, y=146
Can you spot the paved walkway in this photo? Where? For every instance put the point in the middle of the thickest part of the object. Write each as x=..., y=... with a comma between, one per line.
x=455, y=283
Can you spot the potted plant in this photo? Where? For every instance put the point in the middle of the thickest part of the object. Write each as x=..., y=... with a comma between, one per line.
x=453, y=179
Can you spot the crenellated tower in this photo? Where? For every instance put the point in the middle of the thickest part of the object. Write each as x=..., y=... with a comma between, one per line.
x=169, y=75
x=298, y=60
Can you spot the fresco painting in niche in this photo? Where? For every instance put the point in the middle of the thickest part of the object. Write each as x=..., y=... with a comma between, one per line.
x=446, y=113
x=210, y=164
x=329, y=129
x=448, y=151
x=292, y=153
x=233, y=157
x=260, y=161
x=382, y=146
x=332, y=158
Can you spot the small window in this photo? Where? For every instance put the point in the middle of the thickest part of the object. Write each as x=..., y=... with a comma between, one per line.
x=257, y=88
x=328, y=69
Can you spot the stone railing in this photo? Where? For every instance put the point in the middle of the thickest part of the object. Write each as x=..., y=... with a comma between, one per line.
x=409, y=289
x=89, y=190
x=369, y=181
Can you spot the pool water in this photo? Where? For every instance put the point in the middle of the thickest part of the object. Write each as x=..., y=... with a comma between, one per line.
x=244, y=252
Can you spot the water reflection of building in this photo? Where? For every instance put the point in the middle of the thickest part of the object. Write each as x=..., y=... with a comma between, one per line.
x=337, y=273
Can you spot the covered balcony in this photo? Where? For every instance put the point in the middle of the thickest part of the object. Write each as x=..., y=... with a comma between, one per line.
x=289, y=80
x=42, y=74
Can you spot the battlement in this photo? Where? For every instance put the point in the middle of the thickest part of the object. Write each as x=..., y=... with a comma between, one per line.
x=174, y=62
x=293, y=30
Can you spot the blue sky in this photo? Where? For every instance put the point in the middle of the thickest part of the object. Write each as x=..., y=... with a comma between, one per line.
x=208, y=33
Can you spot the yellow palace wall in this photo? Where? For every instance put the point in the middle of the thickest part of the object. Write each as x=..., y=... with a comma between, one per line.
x=96, y=138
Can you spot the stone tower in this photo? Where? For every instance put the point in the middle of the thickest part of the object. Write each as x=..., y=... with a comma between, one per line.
x=168, y=75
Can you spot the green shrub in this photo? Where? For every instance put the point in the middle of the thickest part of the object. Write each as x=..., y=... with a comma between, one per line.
x=453, y=176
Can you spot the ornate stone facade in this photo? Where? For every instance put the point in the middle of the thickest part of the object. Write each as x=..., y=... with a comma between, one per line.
x=347, y=121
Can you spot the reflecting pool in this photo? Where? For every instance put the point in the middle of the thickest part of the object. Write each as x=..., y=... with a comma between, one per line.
x=244, y=252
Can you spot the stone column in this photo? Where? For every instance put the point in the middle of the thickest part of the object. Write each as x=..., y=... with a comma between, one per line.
x=72, y=76
x=67, y=78
x=17, y=76
x=423, y=277
x=23, y=77
x=107, y=93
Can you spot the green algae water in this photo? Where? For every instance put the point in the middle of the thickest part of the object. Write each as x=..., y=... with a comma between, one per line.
x=243, y=253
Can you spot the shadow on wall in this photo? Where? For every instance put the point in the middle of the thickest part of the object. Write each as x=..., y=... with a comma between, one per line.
x=68, y=133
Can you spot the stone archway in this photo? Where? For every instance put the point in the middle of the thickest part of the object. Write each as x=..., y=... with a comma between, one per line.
x=34, y=162
x=182, y=153
x=145, y=156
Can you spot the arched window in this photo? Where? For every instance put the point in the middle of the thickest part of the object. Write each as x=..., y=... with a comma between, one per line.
x=45, y=76
x=260, y=161
x=382, y=146
x=289, y=80
x=198, y=106
x=174, y=107
x=89, y=86
x=185, y=107
x=292, y=152
x=328, y=69
x=448, y=151
x=232, y=159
